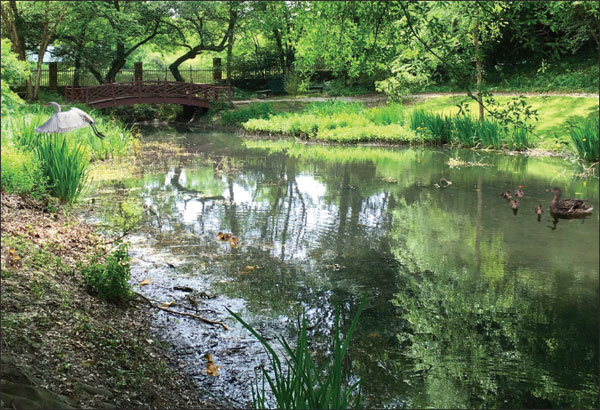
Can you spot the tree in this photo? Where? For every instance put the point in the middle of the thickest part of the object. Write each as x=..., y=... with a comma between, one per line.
x=201, y=26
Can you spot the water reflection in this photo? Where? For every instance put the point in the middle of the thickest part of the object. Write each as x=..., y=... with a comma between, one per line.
x=469, y=305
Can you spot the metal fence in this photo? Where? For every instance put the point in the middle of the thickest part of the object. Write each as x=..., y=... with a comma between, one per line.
x=65, y=77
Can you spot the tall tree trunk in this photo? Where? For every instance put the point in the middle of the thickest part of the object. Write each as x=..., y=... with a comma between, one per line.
x=97, y=75
x=229, y=52
x=174, y=67
x=478, y=65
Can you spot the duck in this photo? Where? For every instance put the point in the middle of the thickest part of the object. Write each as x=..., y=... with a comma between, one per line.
x=539, y=210
x=505, y=195
x=234, y=241
x=568, y=208
x=514, y=205
x=519, y=193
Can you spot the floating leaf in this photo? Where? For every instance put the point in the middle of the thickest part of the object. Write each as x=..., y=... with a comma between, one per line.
x=211, y=368
x=145, y=282
x=167, y=304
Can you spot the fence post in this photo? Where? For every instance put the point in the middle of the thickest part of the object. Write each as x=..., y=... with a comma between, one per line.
x=138, y=71
x=217, y=70
x=53, y=75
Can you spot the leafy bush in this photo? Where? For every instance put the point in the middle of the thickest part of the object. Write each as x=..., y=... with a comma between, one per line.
x=292, y=82
x=299, y=383
x=109, y=279
x=64, y=166
x=12, y=71
x=243, y=114
x=21, y=173
x=584, y=135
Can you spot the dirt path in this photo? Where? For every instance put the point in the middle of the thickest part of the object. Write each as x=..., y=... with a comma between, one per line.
x=378, y=97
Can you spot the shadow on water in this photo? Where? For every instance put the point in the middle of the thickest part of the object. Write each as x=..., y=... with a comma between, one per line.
x=469, y=302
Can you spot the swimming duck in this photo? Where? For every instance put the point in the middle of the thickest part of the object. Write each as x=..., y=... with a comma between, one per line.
x=519, y=193
x=539, y=211
x=505, y=195
x=514, y=205
x=234, y=241
x=567, y=208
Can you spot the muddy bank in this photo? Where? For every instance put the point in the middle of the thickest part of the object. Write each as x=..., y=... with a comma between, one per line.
x=61, y=346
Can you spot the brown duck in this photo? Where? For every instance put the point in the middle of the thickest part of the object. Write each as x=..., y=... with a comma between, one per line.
x=519, y=193
x=568, y=208
x=505, y=195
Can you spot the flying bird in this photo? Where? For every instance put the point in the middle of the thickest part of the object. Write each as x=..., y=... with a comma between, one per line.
x=64, y=121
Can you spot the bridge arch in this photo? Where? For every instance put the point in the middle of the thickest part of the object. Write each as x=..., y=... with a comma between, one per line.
x=148, y=92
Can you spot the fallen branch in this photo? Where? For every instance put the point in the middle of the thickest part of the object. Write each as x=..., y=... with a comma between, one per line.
x=212, y=322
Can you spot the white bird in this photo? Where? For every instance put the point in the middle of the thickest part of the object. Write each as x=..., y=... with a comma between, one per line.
x=67, y=121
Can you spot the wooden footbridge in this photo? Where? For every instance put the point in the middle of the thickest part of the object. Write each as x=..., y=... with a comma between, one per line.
x=148, y=92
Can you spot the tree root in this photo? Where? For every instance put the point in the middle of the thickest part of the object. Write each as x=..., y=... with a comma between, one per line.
x=212, y=322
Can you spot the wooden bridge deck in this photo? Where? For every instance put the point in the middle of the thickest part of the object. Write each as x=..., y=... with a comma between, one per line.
x=148, y=92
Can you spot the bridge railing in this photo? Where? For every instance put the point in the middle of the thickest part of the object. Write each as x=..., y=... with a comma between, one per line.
x=147, y=89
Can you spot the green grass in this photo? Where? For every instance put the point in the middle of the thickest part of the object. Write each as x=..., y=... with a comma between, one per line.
x=21, y=172
x=244, y=113
x=64, y=165
x=297, y=382
x=584, y=135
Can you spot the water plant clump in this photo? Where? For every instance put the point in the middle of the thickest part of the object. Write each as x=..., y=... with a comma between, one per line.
x=584, y=136
x=64, y=165
x=109, y=279
x=297, y=382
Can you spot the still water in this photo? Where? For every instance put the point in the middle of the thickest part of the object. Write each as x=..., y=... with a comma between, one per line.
x=468, y=305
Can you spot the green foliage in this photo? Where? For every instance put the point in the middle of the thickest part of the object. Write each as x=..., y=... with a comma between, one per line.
x=386, y=114
x=298, y=383
x=109, y=279
x=243, y=114
x=21, y=172
x=584, y=135
x=468, y=131
x=64, y=165
x=13, y=71
x=292, y=82
x=126, y=216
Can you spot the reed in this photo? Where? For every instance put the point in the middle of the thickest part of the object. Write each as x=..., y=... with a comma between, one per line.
x=297, y=382
x=439, y=127
x=584, y=136
x=64, y=166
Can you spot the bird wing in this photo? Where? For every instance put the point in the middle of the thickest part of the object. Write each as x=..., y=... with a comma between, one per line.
x=62, y=122
x=86, y=117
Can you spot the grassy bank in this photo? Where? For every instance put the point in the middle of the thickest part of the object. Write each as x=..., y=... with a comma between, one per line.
x=55, y=164
x=433, y=121
x=62, y=345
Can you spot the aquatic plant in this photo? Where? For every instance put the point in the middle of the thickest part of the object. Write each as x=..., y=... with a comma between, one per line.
x=584, y=135
x=297, y=382
x=437, y=127
x=64, y=165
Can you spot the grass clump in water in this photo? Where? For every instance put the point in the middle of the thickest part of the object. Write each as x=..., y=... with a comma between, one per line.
x=297, y=382
x=584, y=135
x=64, y=166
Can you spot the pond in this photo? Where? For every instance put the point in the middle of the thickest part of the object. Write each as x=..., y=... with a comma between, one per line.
x=468, y=304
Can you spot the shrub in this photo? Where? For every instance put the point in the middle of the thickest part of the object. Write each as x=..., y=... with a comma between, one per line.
x=243, y=114
x=291, y=82
x=584, y=135
x=109, y=279
x=298, y=383
x=64, y=166
x=21, y=173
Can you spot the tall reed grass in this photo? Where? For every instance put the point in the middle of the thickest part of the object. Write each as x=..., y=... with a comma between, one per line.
x=64, y=165
x=584, y=135
x=297, y=382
